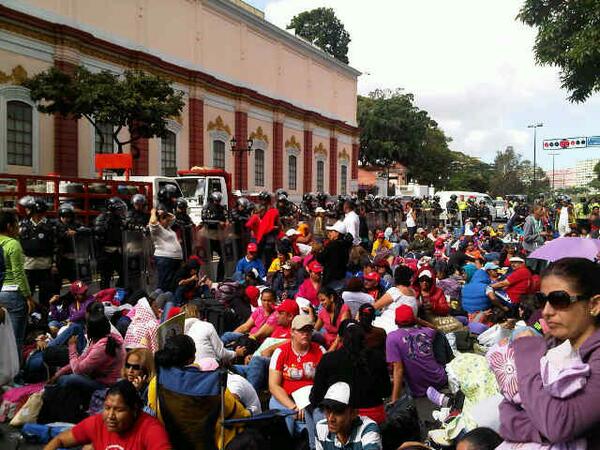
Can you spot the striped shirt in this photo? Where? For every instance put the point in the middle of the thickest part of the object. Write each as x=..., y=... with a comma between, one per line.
x=364, y=436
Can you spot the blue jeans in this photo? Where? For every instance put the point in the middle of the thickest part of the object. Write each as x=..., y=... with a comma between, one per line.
x=295, y=427
x=16, y=305
x=230, y=336
x=80, y=382
x=74, y=329
x=256, y=372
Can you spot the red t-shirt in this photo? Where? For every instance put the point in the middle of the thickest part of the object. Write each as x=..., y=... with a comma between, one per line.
x=147, y=434
x=520, y=284
x=281, y=332
x=297, y=370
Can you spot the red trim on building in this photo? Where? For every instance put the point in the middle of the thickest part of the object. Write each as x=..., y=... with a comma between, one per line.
x=196, y=118
x=241, y=158
x=277, y=155
x=355, y=150
x=66, y=136
x=308, y=160
x=333, y=168
x=89, y=44
x=140, y=149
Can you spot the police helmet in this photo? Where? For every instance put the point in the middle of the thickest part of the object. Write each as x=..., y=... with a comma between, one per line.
x=181, y=203
x=243, y=202
x=264, y=196
x=216, y=197
x=115, y=204
x=66, y=210
x=27, y=202
x=453, y=197
x=167, y=193
x=138, y=199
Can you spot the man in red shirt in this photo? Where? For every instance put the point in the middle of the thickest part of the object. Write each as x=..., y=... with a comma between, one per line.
x=518, y=283
x=122, y=425
x=291, y=371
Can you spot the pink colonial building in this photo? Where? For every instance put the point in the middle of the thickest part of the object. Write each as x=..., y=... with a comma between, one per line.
x=242, y=77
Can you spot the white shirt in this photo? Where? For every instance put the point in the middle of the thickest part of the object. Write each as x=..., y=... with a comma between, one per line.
x=352, y=223
x=242, y=388
x=208, y=344
x=165, y=242
x=410, y=220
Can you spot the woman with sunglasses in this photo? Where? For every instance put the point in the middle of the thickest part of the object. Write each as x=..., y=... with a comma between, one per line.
x=138, y=370
x=570, y=290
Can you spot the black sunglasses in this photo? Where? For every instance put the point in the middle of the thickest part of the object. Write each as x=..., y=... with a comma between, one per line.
x=559, y=299
x=133, y=366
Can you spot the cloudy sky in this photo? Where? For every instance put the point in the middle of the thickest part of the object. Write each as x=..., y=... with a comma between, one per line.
x=468, y=62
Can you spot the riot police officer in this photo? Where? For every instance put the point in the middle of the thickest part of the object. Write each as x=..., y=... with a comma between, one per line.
x=285, y=208
x=214, y=218
x=239, y=216
x=167, y=198
x=108, y=230
x=452, y=210
x=38, y=239
x=436, y=209
x=307, y=207
x=137, y=217
x=472, y=211
x=67, y=229
x=184, y=227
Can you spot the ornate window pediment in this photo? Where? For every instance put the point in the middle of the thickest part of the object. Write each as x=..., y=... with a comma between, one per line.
x=259, y=135
x=320, y=150
x=219, y=125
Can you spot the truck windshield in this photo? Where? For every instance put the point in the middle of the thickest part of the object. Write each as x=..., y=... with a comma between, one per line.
x=192, y=188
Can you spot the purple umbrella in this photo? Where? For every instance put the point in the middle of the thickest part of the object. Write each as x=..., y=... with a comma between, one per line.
x=568, y=247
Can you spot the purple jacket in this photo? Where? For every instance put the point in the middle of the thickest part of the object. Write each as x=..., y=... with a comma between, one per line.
x=543, y=418
x=74, y=314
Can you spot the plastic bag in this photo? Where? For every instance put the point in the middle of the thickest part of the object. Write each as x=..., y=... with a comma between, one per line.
x=9, y=355
x=29, y=411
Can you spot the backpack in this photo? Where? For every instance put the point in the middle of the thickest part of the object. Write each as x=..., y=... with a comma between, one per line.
x=64, y=404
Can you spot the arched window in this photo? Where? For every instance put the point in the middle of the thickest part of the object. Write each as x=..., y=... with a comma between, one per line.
x=103, y=138
x=259, y=167
x=168, y=154
x=343, y=179
x=19, y=133
x=320, y=176
x=218, y=154
x=292, y=172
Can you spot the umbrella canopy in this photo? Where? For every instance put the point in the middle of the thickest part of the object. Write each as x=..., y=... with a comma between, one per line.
x=568, y=247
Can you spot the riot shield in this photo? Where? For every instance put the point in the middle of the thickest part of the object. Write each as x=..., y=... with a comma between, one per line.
x=85, y=258
x=218, y=249
x=135, y=263
x=372, y=221
x=231, y=250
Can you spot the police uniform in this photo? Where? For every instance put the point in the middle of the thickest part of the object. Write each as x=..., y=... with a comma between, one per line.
x=212, y=215
x=108, y=230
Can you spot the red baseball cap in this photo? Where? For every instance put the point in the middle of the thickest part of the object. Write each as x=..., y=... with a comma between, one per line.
x=252, y=247
x=314, y=266
x=289, y=306
x=380, y=235
x=372, y=276
x=252, y=293
x=78, y=288
x=405, y=316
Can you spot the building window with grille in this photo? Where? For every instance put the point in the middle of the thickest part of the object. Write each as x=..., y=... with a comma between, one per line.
x=320, y=176
x=168, y=155
x=343, y=179
x=19, y=133
x=219, y=154
x=259, y=167
x=292, y=171
x=104, y=138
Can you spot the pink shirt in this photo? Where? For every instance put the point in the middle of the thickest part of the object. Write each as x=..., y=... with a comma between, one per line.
x=331, y=330
x=308, y=291
x=260, y=318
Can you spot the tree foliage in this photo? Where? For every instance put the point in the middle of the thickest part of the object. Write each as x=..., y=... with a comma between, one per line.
x=394, y=130
x=466, y=173
x=568, y=36
x=322, y=28
x=511, y=174
x=136, y=100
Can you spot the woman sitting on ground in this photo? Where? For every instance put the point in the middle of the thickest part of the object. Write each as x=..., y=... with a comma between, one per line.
x=333, y=311
x=138, y=370
x=286, y=282
x=99, y=366
x=122, y=424
x=400, y=294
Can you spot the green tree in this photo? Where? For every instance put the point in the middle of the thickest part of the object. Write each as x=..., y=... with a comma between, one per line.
x=466, y=173
x=595, y=183
x=136, y=100
x=507, y=177
x=322, y=28
x=568, y=36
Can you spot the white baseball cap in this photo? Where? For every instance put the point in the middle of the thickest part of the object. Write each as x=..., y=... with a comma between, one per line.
x=338, y=226
x=292, y=232
x=516, y=259
x=337, y=397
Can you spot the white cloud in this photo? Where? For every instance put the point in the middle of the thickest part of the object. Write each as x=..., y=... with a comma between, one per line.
x=468, y=62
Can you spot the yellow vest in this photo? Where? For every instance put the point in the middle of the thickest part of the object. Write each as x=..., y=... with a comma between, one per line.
x=462, y=205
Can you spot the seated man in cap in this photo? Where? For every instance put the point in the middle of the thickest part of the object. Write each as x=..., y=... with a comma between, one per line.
x=249, y=262
x=342, y=427
x=518, y=283
x=380, y=244
x=292, y=368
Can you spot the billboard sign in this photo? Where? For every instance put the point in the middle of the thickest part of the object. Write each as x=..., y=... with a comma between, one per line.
x=565, y=143
x=593, y=141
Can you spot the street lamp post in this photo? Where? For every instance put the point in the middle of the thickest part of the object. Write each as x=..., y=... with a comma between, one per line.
x=238, y=151
x=535, y=127
x=553, y=185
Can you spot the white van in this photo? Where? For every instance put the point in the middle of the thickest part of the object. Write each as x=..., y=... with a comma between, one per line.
x=157, y=183
x=445, y=198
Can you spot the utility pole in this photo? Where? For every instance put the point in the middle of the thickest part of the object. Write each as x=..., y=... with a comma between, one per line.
x=535, y=127
x=553, y=155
